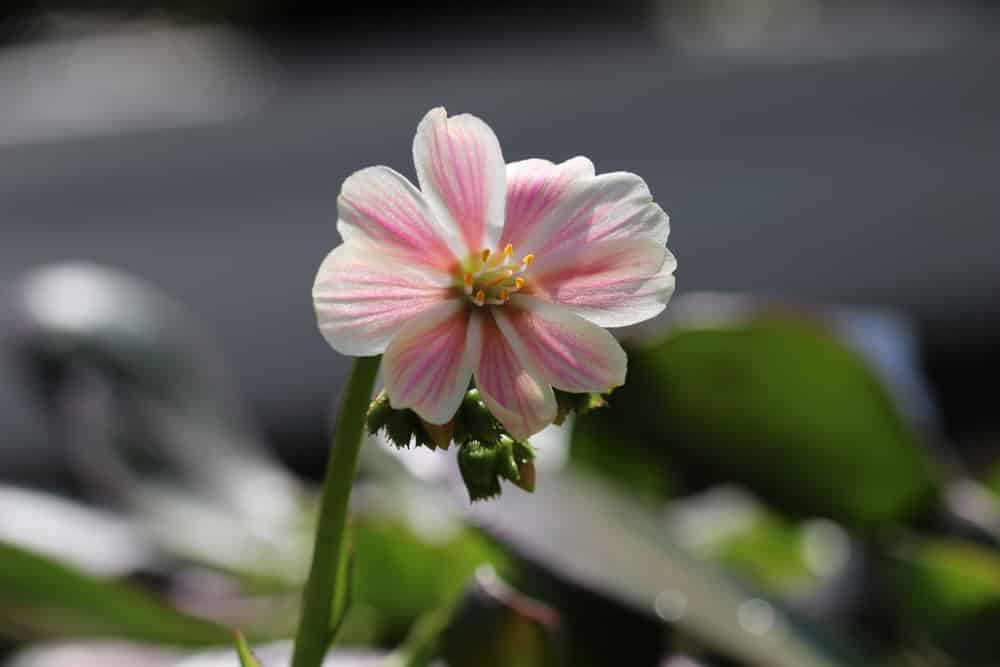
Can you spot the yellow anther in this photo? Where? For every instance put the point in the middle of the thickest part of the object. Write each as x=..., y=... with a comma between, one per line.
x=486, y=254
x=468, y=279
x=508, y=250
x=505, y=295
x=518, y=282
x=480, y=297
x=528, y=259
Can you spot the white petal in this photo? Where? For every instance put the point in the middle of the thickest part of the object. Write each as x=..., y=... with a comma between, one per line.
x=607, y=207
x=380, y=206
x=566, y=350
x=514, y=393
x=534, y=188
x=462, y=174
x=612, y=283
x=362, y=297
x=428, y=365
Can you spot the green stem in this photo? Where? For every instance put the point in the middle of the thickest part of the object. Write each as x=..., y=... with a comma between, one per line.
x=314, y=635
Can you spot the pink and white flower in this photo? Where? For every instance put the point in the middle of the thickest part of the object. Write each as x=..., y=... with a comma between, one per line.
x=503, y=272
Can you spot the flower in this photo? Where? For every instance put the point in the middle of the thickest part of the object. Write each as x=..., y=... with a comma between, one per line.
x=507, y=273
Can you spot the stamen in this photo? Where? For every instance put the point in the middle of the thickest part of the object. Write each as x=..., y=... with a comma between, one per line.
x=496, y=277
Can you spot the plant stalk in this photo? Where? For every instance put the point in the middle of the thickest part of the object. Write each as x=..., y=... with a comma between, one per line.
x=323, y=584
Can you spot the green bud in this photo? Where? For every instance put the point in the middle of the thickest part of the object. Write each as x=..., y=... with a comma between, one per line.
x=506, y=466
x=379, y=412
x=526, y=476
x=400, y=428
x=486, y=452
x=477, y=463
x=478, y=423
x=483, y=465
x=404, y=426
x=524, y=457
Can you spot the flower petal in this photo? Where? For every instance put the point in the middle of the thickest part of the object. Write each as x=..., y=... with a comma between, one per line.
x=461, y=173
x=380, y=206
x=566, y=350
x=607, y=207
x=428, y=365
x=362, y=297
x=515, y=394
x=534, y=187
x=612, y=284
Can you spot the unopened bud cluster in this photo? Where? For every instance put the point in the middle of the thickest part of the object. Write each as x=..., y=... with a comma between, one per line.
x=487, y=453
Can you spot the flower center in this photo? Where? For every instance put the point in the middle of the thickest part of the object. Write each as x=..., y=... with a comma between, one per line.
x=489, y=278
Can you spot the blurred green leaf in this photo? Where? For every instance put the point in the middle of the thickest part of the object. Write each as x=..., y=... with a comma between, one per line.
x=604, y=444
x=423, y=643
x=778, y=405
x=769, y=552
x=247, y=658
x=948, y=591
x=785, y=557
x=402, y=574
x=993, y=478
x=607, y=543
x=44, y=598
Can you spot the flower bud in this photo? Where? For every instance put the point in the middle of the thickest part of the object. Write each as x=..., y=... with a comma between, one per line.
x=379, y=412
x=477, y=463
x=483, y=464
x=475, y=422
x=400, y=428
x=404, y=428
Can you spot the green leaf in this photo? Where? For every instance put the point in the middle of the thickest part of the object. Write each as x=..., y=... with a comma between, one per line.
x=427, y=572
x=41, y=597
x=247, y=658
x=949, y=593
x=785, y=557
x=778, y=405
x=607, y=543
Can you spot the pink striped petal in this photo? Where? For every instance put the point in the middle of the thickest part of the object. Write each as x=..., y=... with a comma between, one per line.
x=566, y=350
x=461, y=173
x=607, y=207
x=380, y=206
x=534, y=187
x=612, y=284
x=363, y=298
x=515, y=395
x=428, y=365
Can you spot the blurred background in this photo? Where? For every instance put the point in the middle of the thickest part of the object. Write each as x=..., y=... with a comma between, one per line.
x=802, y=470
